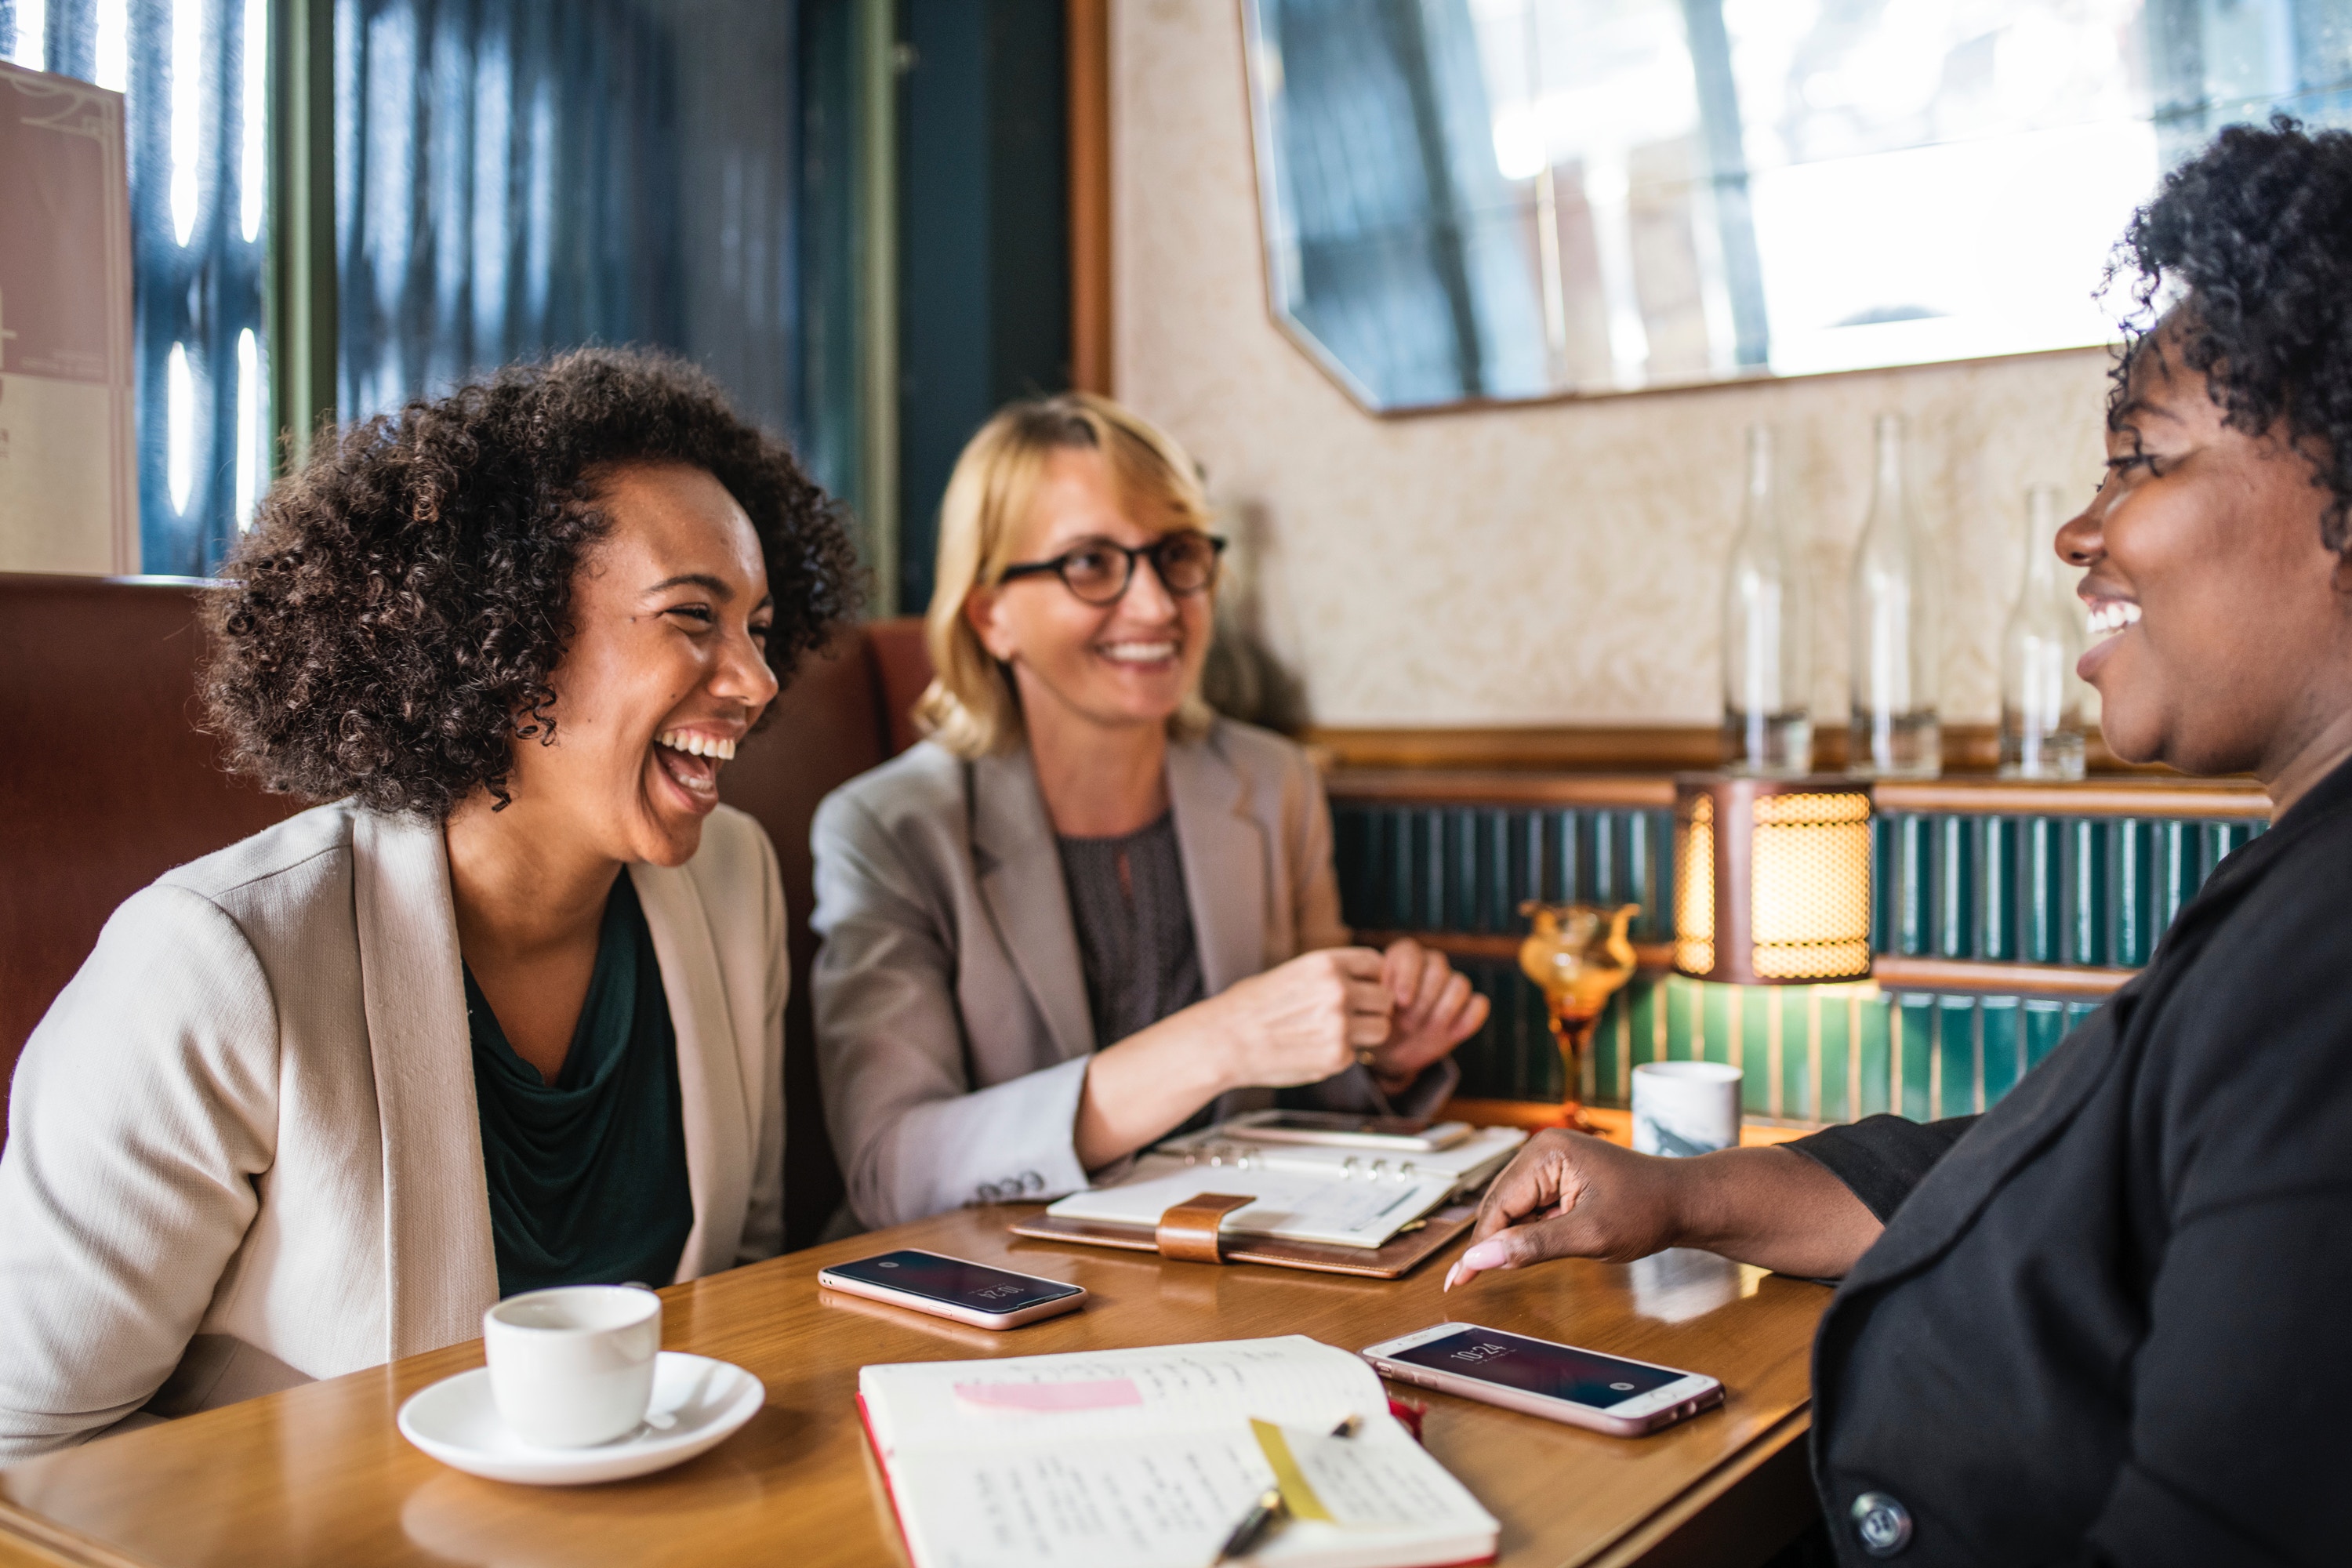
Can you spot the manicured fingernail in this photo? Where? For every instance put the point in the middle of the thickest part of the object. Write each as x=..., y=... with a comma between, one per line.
x=1485, y=1255
x=1449, y=1278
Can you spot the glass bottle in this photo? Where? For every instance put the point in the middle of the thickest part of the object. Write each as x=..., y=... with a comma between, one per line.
x=1892, y=728
x=1768, y=674
x=2040, y=696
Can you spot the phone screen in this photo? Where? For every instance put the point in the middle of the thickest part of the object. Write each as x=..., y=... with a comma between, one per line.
x=952, y=1280
x=1538, y=1366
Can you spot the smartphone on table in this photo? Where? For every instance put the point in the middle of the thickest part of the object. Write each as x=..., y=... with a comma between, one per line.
x=1560, y=1382
x=952, y=1288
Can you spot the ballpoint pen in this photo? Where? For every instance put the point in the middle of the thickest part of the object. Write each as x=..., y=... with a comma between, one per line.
x=1253, y=1527
x=1268, y=1508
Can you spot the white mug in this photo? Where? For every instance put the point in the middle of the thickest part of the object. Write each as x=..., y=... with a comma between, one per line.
x=573, y=1367
x=1686, y=1108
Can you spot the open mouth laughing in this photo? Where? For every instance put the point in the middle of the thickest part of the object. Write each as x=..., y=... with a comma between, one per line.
x=2110, y=619
x=691, y=758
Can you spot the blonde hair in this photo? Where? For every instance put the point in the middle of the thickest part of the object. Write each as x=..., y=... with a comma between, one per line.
x=971, y=707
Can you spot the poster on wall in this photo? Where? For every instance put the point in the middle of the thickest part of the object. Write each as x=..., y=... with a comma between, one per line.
x=68, y=475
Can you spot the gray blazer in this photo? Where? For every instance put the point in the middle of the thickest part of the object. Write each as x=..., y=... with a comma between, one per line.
x=951, y=1019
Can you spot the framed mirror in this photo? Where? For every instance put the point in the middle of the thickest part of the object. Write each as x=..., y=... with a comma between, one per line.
x=1497, y=200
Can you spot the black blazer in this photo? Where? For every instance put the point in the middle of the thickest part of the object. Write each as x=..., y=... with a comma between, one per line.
x=2110, y=1321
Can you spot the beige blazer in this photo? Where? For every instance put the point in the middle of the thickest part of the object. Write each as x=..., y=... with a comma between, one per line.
x=953, y=1030
x=242, y=1147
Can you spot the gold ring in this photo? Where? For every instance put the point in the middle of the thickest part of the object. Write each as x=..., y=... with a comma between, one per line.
x=1364, y=1055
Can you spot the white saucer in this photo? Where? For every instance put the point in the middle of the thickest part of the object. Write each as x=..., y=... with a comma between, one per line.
x=697, y=1404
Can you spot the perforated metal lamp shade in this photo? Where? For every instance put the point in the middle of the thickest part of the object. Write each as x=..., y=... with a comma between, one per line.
x=1771, y=880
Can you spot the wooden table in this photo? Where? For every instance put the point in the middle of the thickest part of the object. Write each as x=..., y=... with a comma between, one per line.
x=320, y=1475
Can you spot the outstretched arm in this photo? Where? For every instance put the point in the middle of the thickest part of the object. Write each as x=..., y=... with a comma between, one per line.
x=1571, y=1195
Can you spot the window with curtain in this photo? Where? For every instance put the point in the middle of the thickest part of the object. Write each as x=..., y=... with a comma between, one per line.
x=195, y=77
x=514, y=177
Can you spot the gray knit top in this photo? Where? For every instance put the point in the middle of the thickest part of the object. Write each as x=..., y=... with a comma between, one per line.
x=1135, y=928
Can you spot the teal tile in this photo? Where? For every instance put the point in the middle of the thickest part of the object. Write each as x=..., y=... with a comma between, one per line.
x=1839, y=1014
x=1876, y=1090
x=1796, y=1059
x=1882, y=884
x=1914, y=886
x=2088, y=917
x=1716, y=1004
x=1645, y=1000
x=1954, y=882
x=1955, y=1045
x=1997, y=900
x=2042, y=890
x=1758, y=1005
x=1913, y=1053
x=2045, y=1027
x=2004, y=1045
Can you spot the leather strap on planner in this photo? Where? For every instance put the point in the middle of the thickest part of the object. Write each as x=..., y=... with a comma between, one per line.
x=1187, y=1232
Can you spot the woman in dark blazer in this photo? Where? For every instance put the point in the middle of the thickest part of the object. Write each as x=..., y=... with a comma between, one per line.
x=2103, y=1322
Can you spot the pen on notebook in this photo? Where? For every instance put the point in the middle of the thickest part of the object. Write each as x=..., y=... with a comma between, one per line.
x=1253, y=1527
x=1268, y=1507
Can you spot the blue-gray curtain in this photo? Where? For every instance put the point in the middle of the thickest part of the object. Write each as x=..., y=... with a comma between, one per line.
x=517, y=176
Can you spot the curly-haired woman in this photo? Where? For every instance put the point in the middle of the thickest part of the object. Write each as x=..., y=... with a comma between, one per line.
x=508, y=1013
x=2103, y=1323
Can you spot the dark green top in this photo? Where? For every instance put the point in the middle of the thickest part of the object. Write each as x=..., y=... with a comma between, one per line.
x=587, y=1175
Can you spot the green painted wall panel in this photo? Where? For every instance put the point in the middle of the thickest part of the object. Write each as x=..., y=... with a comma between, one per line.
x=2033, y=889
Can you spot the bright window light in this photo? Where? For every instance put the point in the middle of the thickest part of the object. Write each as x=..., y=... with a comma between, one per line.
x=252, y=171
x=114, y=47
x=180, y=427
x=249, y=428
x=32, y=50
x=187, y=98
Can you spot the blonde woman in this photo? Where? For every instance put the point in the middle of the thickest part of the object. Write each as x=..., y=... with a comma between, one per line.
x=1086, y=912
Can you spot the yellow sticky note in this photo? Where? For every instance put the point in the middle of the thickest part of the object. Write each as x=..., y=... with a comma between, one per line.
x=1297, y=1497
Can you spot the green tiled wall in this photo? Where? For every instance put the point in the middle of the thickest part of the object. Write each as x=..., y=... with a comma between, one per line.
x=2066, y=890
x=1808, y=1053
x=1467, y=867
x=2039, y=890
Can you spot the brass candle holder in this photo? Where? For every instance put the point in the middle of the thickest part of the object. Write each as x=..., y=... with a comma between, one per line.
x=1579, y=956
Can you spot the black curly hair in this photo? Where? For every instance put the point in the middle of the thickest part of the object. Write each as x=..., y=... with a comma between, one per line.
x=2244, y=262
x=392, y=624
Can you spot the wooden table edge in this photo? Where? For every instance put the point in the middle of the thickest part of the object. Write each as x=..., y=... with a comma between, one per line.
x=1693, y=1528
x=28, y=1539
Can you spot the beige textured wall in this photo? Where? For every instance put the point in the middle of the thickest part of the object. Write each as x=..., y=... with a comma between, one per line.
x=1542, y=566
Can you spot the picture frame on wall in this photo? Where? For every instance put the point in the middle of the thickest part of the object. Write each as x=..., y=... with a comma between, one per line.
x=69, y=473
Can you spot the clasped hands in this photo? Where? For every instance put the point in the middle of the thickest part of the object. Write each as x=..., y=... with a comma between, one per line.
x=1303, y=1021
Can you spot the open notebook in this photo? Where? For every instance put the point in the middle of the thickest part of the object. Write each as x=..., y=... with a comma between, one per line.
x=1342, y=1197
x=1147, y=1458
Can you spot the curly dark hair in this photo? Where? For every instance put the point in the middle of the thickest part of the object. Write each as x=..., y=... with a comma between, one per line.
x=2248, y=245
x=392, y=624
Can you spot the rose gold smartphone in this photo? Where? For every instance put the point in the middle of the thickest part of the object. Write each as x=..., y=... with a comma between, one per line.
x=1560, y=1382
x=950, y=1287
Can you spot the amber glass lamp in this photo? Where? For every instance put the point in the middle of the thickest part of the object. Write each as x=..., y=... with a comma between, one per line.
x=1771, y=880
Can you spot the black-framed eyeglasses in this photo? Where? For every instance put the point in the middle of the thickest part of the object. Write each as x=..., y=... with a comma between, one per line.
x=1098, y=571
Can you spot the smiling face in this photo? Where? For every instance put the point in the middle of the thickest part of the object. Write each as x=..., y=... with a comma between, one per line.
x=665, y=675
x=2221, y=634
x=1126, y=664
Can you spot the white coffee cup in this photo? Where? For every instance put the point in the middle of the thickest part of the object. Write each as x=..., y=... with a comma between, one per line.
x=1686, y=1108
x=573, y=1366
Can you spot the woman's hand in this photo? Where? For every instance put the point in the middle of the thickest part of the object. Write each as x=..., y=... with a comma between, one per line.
x=1299, y=1023
x=1436, y=1011
x=1303, y=1021
x=1569, y=1195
